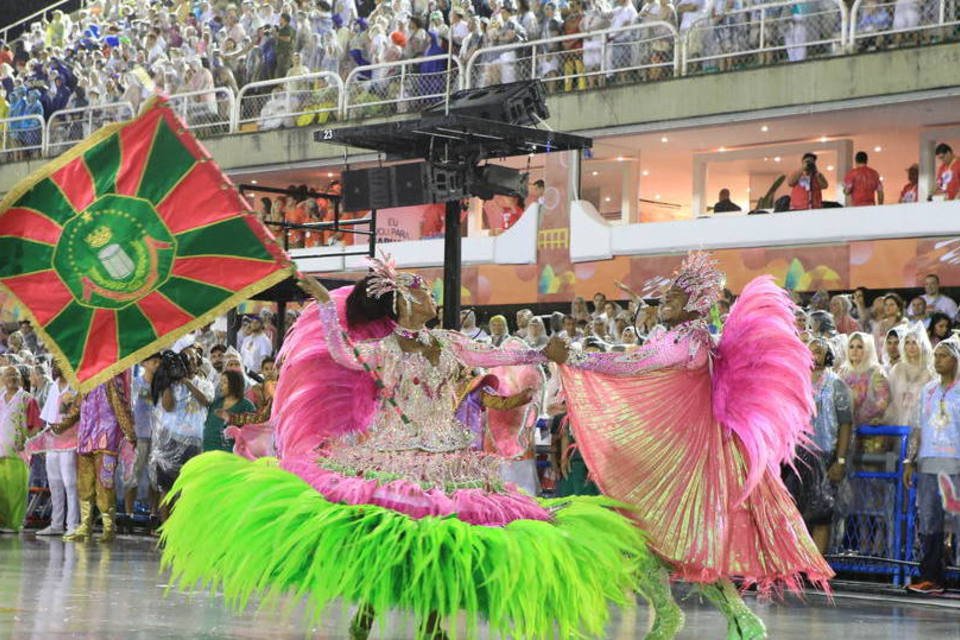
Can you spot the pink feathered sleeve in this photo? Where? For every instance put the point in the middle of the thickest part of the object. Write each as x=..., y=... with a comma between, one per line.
x=671, y=351
x=345, y=353
x=477, y=354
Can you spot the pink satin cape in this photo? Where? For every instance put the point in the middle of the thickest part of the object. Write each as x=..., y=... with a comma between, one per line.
x=651, y=441
x=708, y=494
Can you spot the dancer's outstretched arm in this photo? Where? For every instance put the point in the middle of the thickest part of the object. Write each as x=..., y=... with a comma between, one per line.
x=477, y=354
x=661, y=354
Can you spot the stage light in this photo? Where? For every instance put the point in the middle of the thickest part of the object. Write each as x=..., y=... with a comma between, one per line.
x=764, y=128
x=645, y=172
x=664, y=139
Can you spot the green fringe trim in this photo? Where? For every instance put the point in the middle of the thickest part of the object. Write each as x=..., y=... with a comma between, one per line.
x=250, y=528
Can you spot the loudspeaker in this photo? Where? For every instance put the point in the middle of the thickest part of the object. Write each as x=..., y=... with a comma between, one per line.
x=520, y=103
x=365, y=189
x=409, y=184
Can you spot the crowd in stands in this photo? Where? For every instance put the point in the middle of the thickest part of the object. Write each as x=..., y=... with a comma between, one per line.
x=126, y=51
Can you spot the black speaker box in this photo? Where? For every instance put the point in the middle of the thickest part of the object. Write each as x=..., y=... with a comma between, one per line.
x=410, y=184
x=365, y=189
x=513, y=103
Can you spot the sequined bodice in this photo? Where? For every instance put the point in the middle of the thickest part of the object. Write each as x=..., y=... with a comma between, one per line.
x=418, y=399
x=426, y=394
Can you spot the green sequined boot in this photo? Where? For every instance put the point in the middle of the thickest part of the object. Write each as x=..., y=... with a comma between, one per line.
x=742, y=624
x=654, y=585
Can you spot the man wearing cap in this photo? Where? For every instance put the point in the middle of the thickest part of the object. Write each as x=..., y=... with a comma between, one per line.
x=935, y=446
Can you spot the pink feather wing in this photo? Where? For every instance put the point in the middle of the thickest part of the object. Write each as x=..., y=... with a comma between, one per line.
x=316, y=398
x=761, y=379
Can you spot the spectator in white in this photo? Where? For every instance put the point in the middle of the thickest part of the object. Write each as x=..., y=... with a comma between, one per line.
x=199, y=78
x=498, y=330
x=689, y=12
x=795, y=34
x=570, y=331
x=345, y=11
x=61, y=459
x=550, y=27
x=862, y=184
x=275, y=113
x=659, y=50
x=523, y=321
x=256, y=347
x=469, y=328
x=910, y=190
x=155, y=52
x=459, y=29
x=297, y=68
x=180, y=397
x=622, y=45
x=510, y=33
x=536, y=333
x=143, y=424
x=473, y=41
x=935, y=300
x=593, y=20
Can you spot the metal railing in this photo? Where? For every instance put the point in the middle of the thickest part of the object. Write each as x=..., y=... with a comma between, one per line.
x=315, y=98
x=42, y=13
x=645, y=51
x=21, y=137
x=67, y=127
x=404, y=86
x=786, y=30
x=206, y=112
x=889, y=23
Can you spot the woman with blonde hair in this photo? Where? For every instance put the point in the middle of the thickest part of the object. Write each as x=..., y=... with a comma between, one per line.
x=909, y=376
x=870, y=389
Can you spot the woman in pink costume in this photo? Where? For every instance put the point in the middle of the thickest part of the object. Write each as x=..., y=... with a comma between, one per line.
x=692, y=435
x=380, y=498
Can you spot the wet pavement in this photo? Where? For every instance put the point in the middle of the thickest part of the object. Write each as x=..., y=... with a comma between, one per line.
x=51, y=589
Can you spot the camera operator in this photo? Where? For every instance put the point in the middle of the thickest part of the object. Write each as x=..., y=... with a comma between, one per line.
x=180, y=397
x=807, y=185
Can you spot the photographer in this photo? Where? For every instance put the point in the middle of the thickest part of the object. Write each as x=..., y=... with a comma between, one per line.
x=180, y=397
x=807, y=185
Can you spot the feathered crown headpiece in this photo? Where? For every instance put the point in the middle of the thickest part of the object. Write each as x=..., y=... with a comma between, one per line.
x=701, y=279
x=384, y=279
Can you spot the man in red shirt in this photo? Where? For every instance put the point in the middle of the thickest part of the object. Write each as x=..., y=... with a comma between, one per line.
x=807, y=185
x=862, y=184
x=948, y=173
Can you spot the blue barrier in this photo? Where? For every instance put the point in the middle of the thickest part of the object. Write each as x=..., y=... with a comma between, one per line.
x=876, y=535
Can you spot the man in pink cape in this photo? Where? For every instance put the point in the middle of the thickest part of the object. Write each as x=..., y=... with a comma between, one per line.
x=693, y=435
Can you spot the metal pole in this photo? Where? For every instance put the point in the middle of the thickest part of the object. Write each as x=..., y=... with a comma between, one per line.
x=373, y=234
x=451, y=266
x=281, y=326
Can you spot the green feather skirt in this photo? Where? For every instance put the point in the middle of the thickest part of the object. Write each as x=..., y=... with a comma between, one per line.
x=253, y=529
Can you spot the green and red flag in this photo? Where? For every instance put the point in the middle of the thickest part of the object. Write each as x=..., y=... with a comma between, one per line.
x=128, y=241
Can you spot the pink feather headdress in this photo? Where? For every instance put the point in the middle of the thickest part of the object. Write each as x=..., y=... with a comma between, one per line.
x=385, y=279
x=700, y=278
